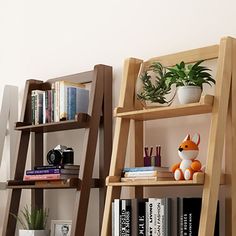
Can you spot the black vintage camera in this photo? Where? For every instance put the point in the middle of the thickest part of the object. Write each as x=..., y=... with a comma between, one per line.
x=60, y=155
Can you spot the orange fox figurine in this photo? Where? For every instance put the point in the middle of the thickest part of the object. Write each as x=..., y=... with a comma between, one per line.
x=188, y=151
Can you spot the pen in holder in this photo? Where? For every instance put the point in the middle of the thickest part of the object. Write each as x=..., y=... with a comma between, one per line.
x=147, y=158
x=158, y=156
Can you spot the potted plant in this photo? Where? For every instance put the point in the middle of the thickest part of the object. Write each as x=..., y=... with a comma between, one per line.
x=156, y=85
x=189, y=80
x=33, y=222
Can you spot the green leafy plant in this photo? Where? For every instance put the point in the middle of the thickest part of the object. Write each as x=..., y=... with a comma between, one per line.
x=155, y=92
x=34, y=219
x=190, y=75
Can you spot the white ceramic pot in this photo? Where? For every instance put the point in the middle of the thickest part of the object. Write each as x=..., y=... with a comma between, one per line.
x=23, y=232
x=189, y=94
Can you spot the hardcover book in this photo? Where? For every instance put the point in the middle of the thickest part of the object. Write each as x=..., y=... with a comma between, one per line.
x=189, y=210
x=146, y=168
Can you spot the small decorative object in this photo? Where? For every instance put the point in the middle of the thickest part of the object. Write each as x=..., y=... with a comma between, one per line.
x=188, y=152
x=189, y=80
x=61, y=227
x=155, y=91
x=60, y=155
x=33, y=222
x=152, y=160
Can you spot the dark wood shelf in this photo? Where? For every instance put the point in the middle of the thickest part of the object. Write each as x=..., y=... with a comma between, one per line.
x=81, y=122
x=72, y=183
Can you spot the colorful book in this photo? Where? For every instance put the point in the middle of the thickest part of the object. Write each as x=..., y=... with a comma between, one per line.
x=146, y=168
x=49, y=177
x=63, y=85
x=71, y=103
x=53, y=171
x=141, y=178
x=148, y=173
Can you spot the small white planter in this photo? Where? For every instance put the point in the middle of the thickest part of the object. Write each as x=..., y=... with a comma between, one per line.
x=189, y=94
x=23, y=232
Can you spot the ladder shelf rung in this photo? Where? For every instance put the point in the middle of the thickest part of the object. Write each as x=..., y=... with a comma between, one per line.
x=202, y=107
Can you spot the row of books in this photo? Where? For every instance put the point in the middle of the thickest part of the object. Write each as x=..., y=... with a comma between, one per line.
x=155, y=217
x=50, y=172
x=62, y=102
x=146, y=173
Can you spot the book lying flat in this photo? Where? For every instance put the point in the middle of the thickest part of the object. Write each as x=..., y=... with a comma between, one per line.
x=49, y=177
x=52, y=171
x=142, y=178
x=148, y=173
x=145, y=168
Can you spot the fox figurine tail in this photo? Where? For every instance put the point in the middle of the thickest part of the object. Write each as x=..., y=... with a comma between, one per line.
x=188, y=152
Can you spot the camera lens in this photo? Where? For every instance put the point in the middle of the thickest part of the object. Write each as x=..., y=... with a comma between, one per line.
x=54, y=157
x=68, y=156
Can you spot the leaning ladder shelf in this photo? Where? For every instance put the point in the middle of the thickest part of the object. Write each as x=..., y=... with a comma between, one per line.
x=223, y=129
x=98, y=121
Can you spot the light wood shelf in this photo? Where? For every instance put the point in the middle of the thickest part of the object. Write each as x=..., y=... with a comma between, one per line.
x=198, y=179
x=131, y=117
x=204, y=106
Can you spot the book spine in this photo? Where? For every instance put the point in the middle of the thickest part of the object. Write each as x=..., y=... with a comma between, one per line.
x=71, y=103
x=140, y=173
x=128, y=218
x=117, y=217
x=168, y=217
x=47, y=115
x=36, y=108
x=162, y=216
x=44, y=107
x=141, y=217
x=145, y=168
x=47, y=167
x=113, y=219
x=180, y=216
x=33, y=107
x=122, y=215
x=56, y=102
x=40, y=106
x=42, y=177
x=52, y=105
x=42, y=172
x=157, y=216
x=82, y=100
x=63, y=100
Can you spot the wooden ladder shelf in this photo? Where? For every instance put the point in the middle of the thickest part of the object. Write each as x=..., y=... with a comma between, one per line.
x=98, y=121
x=223, y=128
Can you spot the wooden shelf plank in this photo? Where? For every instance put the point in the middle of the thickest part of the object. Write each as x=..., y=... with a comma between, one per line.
x=204, y=106
x=198, y=179
x=81, y=122
x=72, y=183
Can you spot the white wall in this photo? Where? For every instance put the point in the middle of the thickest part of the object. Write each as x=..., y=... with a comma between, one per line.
x=45, y=39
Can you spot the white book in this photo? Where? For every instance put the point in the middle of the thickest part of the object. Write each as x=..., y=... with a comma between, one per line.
x=156, y=216
x=117, y=217
x=113, y=219
x=150, y=216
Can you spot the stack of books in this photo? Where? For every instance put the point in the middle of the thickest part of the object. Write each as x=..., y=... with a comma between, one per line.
x=146, y=173
x=50, y=172
x=157, y=217
x=62, y=102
